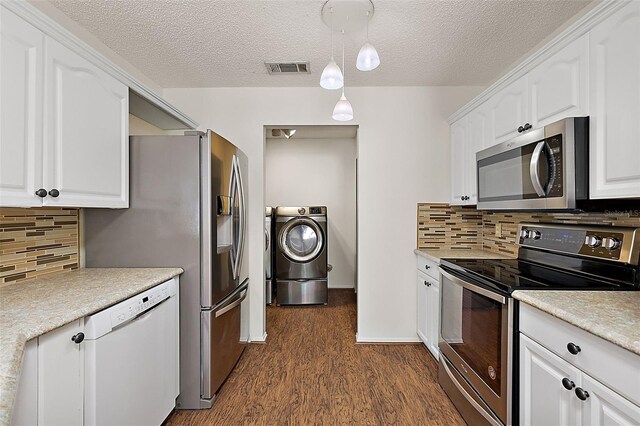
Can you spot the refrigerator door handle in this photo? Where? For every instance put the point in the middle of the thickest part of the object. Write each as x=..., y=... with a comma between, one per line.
x=242, y=216
x=232, y=198
x=232, y=305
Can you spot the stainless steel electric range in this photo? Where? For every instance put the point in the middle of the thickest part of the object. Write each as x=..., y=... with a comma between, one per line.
x=478, y=369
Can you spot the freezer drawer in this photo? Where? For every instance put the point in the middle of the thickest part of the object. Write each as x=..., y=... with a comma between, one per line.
x=222, y=345
x=301, y=292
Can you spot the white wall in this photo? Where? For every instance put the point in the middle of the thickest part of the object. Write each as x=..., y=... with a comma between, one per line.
x=318, y=172
x=403, y=151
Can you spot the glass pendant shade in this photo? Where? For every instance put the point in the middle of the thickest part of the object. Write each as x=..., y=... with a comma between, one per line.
x=368, y=58
x=343, y=110
x=331, y=77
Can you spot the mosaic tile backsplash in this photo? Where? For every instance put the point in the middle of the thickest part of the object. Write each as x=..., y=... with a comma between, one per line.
x=464, y=228
x=37, y=241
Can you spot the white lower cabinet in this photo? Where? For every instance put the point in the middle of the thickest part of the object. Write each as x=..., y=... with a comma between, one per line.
x=428, y=304
x=51, y=386
x=543, y=398
x=557, y=384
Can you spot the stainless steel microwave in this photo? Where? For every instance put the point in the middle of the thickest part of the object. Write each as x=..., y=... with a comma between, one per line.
x=543, y=169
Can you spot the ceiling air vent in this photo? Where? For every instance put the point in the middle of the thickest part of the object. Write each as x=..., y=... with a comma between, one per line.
x=288, y=67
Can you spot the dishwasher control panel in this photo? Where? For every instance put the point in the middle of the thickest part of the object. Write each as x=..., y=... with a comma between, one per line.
x=104, y=321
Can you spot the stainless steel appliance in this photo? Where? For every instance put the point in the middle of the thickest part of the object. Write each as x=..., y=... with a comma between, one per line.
x=187, y=209
x=268, y=255
x=543, y=169
x=301, y=255
x=478, y=369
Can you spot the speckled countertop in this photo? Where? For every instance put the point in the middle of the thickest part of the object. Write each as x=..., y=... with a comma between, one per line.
x=436, y=255
x=612, y=315
x=31, y=308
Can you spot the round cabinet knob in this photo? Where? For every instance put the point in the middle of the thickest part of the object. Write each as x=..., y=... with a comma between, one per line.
x=77, y=338
x=568, y=384
x=527, y=126
x=582, y=394
x=427, y=283
x=611, y=243
x=520, y=129
x=593, y=241
x=536, y=235
x=427, y=267
x=41, y=192
x=573, y=348
x=54, y=193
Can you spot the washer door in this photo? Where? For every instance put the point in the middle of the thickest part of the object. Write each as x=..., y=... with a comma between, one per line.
x=301, y=240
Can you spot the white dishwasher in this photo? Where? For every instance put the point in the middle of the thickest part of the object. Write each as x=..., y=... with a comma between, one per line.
x=132, y=359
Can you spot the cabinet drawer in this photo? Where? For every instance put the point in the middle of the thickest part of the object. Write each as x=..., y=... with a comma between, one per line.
x=618, y=368
x=429, y=279
x=428, y=267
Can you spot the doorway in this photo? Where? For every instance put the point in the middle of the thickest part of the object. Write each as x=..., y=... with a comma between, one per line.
x=316, y=166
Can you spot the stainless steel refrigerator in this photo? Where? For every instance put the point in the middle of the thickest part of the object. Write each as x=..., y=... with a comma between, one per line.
x=188, y=209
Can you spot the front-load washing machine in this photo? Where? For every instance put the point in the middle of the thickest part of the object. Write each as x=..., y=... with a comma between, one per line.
x=301, y=255
x=268, y=256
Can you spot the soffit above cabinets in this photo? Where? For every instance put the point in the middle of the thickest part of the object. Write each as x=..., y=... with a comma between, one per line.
x=224, y=43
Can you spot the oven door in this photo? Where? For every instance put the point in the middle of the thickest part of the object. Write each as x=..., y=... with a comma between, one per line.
x=524, y=173
x=476, y=338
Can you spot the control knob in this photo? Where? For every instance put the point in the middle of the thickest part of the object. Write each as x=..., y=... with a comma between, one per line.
x=525, y=233
x=535, y=235
x=611, y=243
x=593, y=241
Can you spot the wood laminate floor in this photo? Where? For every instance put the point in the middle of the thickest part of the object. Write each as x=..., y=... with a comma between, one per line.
x=311, y=371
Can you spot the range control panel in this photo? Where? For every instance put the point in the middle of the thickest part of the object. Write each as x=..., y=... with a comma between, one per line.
x=610, y=243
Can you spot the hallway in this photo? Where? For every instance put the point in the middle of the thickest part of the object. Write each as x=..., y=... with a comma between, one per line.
x=311, y=371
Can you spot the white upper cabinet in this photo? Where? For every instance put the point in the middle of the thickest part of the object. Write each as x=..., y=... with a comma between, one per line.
x=458, y=143
x=615, y=105
x=86, y=132
x=64, y=125
x=559, y=86
x=508, y=110
x=21, y=112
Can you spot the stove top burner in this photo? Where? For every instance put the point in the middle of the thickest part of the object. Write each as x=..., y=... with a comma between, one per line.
x=508, y=275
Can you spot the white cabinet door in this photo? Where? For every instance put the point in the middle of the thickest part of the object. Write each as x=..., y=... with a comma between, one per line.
x=543, y=398
x=477, y=139
x=615, y=105
x=605, y=407
x=559, y=87
x=86, y=132
x=421, y=295
x=508, y=110
x=25, y=407
x=433, y=319
x=458, y=143
x=61, y=376
x=21, y=112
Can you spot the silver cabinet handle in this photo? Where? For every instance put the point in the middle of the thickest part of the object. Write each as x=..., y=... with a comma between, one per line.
x=533, y=169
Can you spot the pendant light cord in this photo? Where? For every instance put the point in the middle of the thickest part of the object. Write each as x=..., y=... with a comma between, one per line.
x=367, y=26
x=331, y=10
x=344, y=71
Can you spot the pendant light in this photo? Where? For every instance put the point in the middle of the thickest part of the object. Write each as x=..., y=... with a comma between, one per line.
x=368, y=58
x=332, y=78
x=343, y=110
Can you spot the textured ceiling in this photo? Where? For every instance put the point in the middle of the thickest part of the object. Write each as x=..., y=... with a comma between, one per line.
x=223, y=43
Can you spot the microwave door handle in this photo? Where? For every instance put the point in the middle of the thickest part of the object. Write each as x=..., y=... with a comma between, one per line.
x=533, y=169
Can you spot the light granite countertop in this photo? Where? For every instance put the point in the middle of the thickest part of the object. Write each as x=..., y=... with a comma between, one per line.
x=31, y=308
x=436, y=254
x=611, y=315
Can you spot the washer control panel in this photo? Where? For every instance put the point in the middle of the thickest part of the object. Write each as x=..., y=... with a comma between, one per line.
x=610, y=243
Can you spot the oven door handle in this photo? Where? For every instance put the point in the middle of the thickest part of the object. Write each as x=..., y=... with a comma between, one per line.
x=533, y=169
x=474, y=288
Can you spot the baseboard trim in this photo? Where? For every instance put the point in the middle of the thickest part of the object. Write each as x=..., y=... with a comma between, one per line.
x=262, y=339
x=388, y=340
